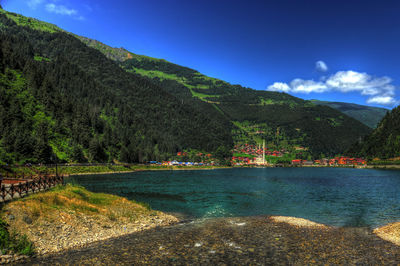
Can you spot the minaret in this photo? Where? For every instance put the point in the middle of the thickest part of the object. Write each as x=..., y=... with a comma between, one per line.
x=263, y=151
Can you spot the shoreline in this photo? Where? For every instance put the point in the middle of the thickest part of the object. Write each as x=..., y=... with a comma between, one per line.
x=162, y=221
x=236, y=240
x=67, y=173
x=144, y=169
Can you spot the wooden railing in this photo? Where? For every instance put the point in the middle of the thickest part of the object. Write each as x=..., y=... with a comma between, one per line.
x=17, y=188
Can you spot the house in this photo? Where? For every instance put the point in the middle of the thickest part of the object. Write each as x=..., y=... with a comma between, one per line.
x=308, y=163
x=296, y=162
x=360, y=161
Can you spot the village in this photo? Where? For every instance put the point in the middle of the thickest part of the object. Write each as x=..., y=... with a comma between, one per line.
x=257, y=155
x=253, y=155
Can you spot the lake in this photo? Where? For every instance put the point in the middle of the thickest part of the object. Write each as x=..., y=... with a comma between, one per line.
x=333, y=196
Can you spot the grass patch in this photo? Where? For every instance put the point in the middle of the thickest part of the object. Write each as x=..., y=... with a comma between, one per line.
x=31, y=22
x=76, y=199
x=202, y=96
x=41, y=58
x=84, y=208
x=243, y=155
x=13, y=242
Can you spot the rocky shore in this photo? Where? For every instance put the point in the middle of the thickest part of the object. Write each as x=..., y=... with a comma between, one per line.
x=73, y=217
x=82, y=229
x=259, y=240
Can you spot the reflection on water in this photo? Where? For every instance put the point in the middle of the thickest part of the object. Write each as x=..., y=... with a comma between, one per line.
x=335, y=196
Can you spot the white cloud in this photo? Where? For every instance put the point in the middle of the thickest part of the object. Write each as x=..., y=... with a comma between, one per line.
x=321, y=66
x=380, y=89
x=347, y=81
x=279, y=86
x=307, y=86
x=383, y=100
x=60, y=9
x=34, y=3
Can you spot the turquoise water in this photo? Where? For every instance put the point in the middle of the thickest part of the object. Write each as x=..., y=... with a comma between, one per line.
x=334, y=196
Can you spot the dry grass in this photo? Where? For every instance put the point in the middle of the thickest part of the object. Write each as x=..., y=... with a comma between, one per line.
x=76, y=199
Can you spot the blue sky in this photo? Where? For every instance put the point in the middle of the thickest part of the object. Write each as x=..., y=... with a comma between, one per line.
x=328, y=50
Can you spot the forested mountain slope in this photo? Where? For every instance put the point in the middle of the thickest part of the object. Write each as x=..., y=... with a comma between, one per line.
x=384, y=141
x=283, y=120
x=367, y=115
x=60, y=98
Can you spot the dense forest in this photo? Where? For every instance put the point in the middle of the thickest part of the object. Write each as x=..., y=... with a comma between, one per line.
x=384, y=141
x=61, y=100
x=69, y=98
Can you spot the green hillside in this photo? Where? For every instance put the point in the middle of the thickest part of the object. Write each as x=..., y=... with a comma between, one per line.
x=31, y=22
x=65, y=100
x=384, y=141
x=282, y=120
x=62, y=99
x=367, y=115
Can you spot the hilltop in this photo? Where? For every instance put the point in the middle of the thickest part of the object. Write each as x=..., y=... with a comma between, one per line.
x=367, y=115
x=384, y=141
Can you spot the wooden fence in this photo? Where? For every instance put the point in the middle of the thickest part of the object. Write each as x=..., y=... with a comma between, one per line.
x=12, y=188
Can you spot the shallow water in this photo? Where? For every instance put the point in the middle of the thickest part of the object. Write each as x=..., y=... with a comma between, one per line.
x=333, y=196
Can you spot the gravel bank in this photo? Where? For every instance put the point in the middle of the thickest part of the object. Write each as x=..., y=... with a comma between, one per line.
x=237, y=241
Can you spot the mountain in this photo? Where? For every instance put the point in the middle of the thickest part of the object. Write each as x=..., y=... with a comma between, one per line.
x=60, y=98
x=69, y=98
x=367, y=115
x=282, y=120
x=384, y=141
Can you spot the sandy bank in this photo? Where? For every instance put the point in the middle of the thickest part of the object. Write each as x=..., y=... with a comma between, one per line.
x=149, y=169
x=389, y=232
x=299, y=222
x=105, y=173
x=388, y=167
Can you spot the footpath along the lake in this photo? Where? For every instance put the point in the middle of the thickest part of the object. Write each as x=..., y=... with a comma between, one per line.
x=246, y=240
